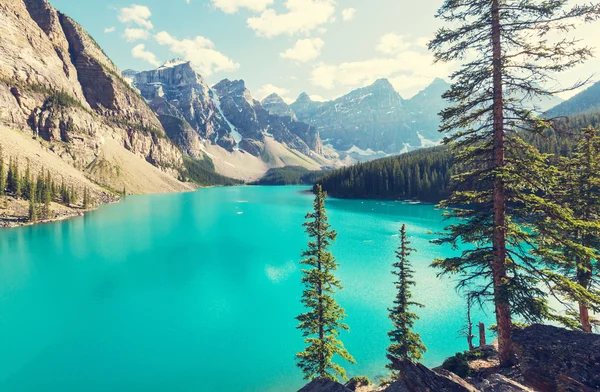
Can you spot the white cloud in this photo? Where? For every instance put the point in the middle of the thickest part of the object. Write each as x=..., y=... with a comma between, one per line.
x=317, y=98
x=302, y=16
x=393, y=44
x=137, y=14
x=132, y=35
x=140, y=52
x=200, y=51
x=109, y=29
x=408, y=66
x=304, y=50
x=348, y=14
x=269, y=89
x=231, y=6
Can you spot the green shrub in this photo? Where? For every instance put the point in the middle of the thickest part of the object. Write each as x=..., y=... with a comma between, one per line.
x=357, y=381
x=458, y=365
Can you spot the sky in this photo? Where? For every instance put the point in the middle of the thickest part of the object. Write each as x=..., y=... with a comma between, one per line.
x=325, y=48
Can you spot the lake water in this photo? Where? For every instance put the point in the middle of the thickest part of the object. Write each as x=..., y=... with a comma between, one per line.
x=198, y=292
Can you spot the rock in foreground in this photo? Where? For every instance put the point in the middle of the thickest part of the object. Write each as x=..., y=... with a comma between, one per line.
x=324, y=385
x=414, y=377
x=554, y=358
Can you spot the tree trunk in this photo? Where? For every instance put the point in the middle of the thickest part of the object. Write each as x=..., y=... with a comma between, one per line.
x=584, y=277
x=585, y=318
x=322, y=365
x=482, y=341
x=503, y=316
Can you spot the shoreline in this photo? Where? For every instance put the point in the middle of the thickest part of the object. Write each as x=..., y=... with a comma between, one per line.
x=13, y=221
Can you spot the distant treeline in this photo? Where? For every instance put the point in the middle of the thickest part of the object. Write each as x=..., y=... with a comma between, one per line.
x=289, y=175
x=423, y=174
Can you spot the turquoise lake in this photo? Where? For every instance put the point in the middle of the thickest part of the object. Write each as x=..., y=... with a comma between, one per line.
x=198, y=292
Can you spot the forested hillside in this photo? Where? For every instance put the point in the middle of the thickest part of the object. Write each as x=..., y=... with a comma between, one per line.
x=587, y=101
x=423, y=174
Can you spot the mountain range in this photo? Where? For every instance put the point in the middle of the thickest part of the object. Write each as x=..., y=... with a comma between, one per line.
x=63, y=103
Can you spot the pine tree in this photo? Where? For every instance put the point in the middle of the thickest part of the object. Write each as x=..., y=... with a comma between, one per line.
x=406, y=344
x=86, y=198
x=32, y=203
x=64, y=193
x=2, y=174
x=323, y=321
x=26, y=183
x=14, y=180
x=72, y=195
x=46, y=195
x=512, y=59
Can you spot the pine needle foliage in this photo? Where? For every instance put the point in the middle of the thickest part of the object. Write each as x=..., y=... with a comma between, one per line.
x=324, y=319
x=572, y=252
x=406, y=344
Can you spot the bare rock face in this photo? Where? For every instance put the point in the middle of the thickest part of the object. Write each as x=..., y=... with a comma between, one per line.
x=252, y=146
x=104, y=88
x=47, y=18
x=176, y=89
x=414, y=377
x=323, y=385
x=253, y=121
x=553, y=358
x=183, y=135
x=274, y=104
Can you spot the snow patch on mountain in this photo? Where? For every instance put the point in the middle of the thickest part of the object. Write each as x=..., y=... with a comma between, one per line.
x=234, y=132
x=367, y=152
x=426, y=142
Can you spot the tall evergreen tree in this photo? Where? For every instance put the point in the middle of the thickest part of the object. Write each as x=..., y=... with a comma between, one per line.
x=46, y=194
x=406, y=344
x=322, y=323
x=32, y=203
x=14, y=179
x=512, y=61
x=26, y=183
x=2, y=174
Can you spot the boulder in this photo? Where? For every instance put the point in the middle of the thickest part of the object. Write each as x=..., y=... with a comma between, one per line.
x=553, y=358
x=324, y=384
x=414, y=377
x=499, y=383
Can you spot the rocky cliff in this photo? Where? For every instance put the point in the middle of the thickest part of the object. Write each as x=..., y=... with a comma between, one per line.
x=57, y=85
x=253, y=121
x=274, y=104
x=226, y=115
x=175, y=89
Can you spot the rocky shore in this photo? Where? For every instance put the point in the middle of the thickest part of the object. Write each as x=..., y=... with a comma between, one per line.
x=549, y=359
x=15, y=213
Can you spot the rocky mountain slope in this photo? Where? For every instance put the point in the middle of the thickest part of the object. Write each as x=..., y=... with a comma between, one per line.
x=199, y=118
x=370, y=118
x=59, y=88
